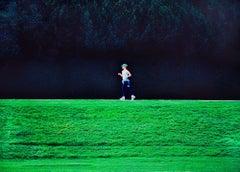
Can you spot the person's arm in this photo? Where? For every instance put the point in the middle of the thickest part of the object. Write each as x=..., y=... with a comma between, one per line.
x=129, y=74
x=120, y=74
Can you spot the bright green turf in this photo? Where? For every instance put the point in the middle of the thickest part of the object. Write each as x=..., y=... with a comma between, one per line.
x=175, y=164
x=152, y=135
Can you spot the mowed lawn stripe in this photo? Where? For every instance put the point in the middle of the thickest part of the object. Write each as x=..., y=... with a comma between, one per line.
x=110, y=128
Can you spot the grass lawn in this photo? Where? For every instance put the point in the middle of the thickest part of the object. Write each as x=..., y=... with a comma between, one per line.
x=110, y=135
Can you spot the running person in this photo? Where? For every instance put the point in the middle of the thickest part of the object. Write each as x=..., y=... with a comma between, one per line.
x=126, y=82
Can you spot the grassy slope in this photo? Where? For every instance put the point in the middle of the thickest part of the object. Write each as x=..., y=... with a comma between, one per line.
x=114, y=129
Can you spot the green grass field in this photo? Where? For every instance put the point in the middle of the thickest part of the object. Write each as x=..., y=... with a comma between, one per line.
x=110, y=135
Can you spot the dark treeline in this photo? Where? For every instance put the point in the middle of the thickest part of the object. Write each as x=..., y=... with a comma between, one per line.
x=171, y=36
x=63, y=29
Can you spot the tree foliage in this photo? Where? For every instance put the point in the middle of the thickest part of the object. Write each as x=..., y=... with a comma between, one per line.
x=73, y=28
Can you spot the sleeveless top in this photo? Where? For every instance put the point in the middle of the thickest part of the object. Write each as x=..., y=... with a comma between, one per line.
x=124, y=74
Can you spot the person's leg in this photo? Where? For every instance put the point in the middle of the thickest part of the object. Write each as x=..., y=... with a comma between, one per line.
x=130, y=91
x=129, y=87
x=123, y=90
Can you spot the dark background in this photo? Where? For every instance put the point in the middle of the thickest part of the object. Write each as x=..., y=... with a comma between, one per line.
x=187, y=49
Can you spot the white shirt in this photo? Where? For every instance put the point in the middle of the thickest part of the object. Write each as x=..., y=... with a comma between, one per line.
x=125, y=74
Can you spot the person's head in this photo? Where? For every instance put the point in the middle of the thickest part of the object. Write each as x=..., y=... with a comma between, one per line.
x=124, y=66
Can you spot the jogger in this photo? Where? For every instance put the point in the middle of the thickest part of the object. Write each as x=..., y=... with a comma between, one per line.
x=126, y=82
